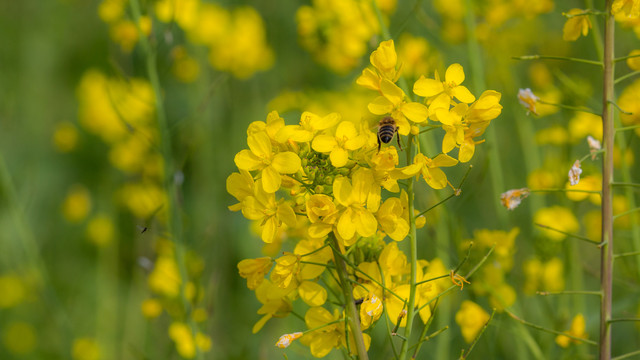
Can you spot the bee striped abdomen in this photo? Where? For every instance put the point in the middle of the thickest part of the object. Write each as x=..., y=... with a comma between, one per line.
x=387, y=128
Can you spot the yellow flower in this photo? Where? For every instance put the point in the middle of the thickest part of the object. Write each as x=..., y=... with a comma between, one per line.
x=629, y=101
x=254, y=270
x=576, y=25
x=100, y=230
x=323, y=340
x=430, y=169
x=85, y=349
x=186, y=342
x=559, y=218
x=77, y=204
x=578, y=326
x=165, y=277
x=584, y=124
x=322, y=213
x=19, y=338
x=262, y=206
x=65, y=137
x=553, y=275
x=554, y=135
x=392, y=101
x=370, y=310
x=443, y=92
x=151, y=308
x=590, y=183
x=13, y=289
x=391, y=220
x=393, y=261
x=309, y=249
x=354, y=217
x=261, y=157
x=274, y=301
x=453, y=126
x=240, y=185
x=418, y=57
x=630, y=8
x=471, y=318
x=285, y=340
x=286, y=270
x=310, y=123
x=384, y=59
x=346, y=139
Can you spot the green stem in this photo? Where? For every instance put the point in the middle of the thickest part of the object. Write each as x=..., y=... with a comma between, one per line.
x=626, y=213
x=627, y=355
x=569, y=107
x=623, y=184
x=624, y=319
x=606, y=254
x=413, y=254
x=625, y=77
x=633, y=253
x=350, y=304
x=568, y=292
x=575, y=236
x=546, y=57
x=174, y=225
x=541, y=328
x=475, y=341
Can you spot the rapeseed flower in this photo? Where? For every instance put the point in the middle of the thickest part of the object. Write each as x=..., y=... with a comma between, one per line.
x=578, y=326
x=576, y=25
x=471, y=318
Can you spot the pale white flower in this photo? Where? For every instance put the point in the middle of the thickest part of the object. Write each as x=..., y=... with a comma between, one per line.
x=594, y=146
x=286, y=339
x=574, y=173
x=528, y=99
x=512, y=198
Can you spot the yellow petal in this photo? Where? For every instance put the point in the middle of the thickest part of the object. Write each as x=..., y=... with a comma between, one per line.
x=369, y=79
x=444, y=160
x=312, y=293
x=246, y=160
x=271, y=179
x=463, y=94
x=252, y=209
x=286, y=214
x=384, y=57
x=324, y=143
x=339, y=157
x=346, y=224
x=444, y=116
x=260, y=144
x=427, y=87
x=365, y=223
x=454, y=74
x=269, y=230
x=380, y=106
x=442, y=101
x=346, y=129
x=467, y=149
x=416, y=112
x=436, y=178
x=448, y=142
x=391, y=91
x=286, y=162
x=342, y=190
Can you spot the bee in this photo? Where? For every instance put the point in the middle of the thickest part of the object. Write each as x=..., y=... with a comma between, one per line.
x=387, y=128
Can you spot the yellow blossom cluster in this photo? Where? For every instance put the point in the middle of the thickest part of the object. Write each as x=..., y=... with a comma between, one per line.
x=337, y=32
x=236, y=39
x=331, y=185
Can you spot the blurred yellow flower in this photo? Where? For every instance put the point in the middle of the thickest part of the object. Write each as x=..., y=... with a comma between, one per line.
x=86, y=349
x=629, y=101
x=576, y=25
x=630, y=8
x=585, y=124
x=185, y=68
x=554, y=135
x=634, y=62
x=65, y=137
x=578, y=326
x=77, y=204
x=13, y=290
x=418, y=57
x=101, y=230
x=19, y=338
x=559, y=218
x=186, y=342
x=151, y=308
x=471, y=318
x=165, y=277
x=589, y=183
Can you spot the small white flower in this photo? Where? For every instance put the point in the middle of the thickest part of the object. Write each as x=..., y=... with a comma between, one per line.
x=286, y=339
x=594, y=146
x=574, y=173
x=512, y=198
x=528, y=99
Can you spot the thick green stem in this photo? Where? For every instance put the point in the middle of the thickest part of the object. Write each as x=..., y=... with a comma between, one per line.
x=606, y=255
x=350, y=305
x=413, y=253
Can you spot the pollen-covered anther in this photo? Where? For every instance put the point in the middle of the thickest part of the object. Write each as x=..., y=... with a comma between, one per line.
x=286, y=339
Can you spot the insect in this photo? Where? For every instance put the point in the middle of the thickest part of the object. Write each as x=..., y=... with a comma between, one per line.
x=387, y=128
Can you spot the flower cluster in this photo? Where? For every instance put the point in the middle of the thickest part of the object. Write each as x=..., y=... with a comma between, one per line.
x=236, y=39
x=334, y=185
x=337, y=32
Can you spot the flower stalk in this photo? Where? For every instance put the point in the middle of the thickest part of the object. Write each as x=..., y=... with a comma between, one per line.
x=606, y=254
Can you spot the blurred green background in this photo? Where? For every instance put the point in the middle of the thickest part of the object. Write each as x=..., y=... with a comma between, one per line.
x=76, y=256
